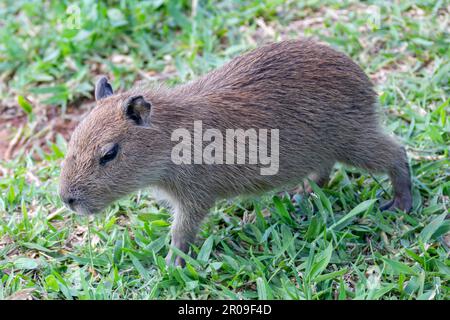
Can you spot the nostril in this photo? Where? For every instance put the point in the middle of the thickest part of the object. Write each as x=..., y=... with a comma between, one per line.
x=69, y=201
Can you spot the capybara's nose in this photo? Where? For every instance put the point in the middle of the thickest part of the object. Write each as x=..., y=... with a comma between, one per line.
x=68, y=200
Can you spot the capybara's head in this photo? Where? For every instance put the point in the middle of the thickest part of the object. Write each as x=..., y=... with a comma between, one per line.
x=115, y=150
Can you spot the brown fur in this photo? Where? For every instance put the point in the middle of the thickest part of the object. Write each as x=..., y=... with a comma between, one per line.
x=320, y=100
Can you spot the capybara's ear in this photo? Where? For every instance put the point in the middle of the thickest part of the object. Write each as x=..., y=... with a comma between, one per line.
x=102, y=89
x=137, y=109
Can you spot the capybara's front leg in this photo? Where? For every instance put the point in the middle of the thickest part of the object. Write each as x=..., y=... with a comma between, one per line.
x=187, y=221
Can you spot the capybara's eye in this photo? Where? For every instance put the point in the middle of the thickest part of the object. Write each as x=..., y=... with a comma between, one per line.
x=110, y=155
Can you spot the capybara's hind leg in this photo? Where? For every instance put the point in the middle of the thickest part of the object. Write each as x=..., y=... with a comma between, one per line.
x=321, y=177
x=379, y=153
x=401, y=180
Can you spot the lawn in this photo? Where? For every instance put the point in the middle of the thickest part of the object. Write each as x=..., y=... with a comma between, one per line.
x=332, y=244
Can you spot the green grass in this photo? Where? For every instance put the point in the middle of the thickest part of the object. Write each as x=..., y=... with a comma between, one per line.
x=333, y=244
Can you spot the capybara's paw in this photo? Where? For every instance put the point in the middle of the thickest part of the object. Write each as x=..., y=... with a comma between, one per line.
x=398, y=203
x=174, y=260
